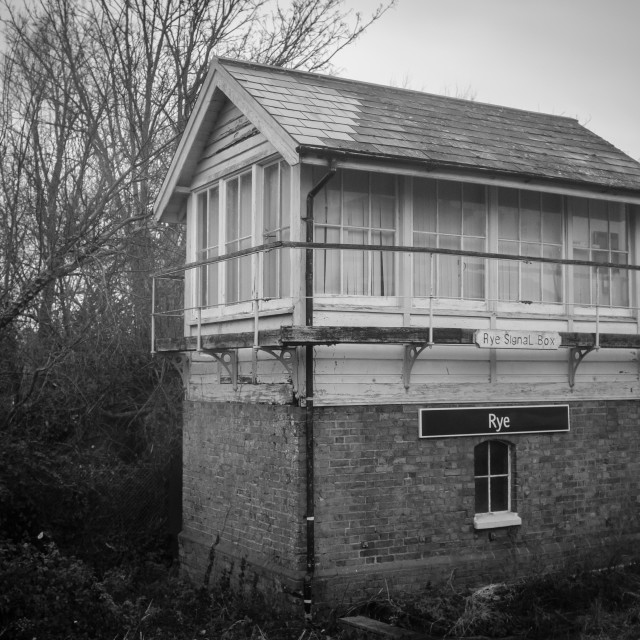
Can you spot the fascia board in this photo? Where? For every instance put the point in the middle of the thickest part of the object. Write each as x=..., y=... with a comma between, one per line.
x=186, y=147
x=284, y=144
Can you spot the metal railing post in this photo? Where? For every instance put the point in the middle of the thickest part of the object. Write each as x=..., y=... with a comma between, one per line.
x=153, y=315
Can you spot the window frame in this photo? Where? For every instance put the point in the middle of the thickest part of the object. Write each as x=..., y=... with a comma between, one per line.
x=628, y=220
x=499, y=518
x=341, y=227
x=281, y=257
x=434, y=280
x=227, y=302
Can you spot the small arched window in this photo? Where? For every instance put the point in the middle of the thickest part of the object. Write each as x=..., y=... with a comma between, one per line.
x=493, y=477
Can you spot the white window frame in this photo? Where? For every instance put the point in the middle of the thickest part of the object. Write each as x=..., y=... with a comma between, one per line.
x=505, y=517
x=342, y=228
x=281, y=257
x=435, y=279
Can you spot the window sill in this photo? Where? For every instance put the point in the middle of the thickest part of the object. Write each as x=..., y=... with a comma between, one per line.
x=496, y=520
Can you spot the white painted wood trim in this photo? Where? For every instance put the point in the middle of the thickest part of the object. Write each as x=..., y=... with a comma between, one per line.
x=496, y=520
x=264, y=122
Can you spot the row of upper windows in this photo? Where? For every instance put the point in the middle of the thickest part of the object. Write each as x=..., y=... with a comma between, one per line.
x=359, y=207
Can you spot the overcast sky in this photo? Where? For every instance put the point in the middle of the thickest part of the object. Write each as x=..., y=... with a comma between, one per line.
x=578, y=58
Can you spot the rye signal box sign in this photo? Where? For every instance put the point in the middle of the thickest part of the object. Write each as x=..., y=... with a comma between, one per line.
x=536, y=340
x=484, y=421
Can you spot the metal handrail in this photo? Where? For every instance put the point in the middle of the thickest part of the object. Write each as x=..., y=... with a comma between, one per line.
x=179, y=272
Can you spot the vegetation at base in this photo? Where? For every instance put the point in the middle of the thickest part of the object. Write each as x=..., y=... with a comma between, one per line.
x=574, y=605
x=47, y=594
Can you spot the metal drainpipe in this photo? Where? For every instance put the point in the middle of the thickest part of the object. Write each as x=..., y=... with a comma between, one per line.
x=311, y=557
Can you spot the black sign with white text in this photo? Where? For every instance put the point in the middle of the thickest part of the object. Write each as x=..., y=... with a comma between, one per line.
x=484, y=421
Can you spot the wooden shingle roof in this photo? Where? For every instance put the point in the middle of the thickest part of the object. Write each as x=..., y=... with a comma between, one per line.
x=326, y=113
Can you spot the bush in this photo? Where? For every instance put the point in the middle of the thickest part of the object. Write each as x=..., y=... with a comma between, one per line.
x=45, y=594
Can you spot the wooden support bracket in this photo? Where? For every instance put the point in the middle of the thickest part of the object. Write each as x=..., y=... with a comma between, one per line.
x=228, y=358
x=287, y=356
x=576, y=356
x=180, y=362
x=411, y=353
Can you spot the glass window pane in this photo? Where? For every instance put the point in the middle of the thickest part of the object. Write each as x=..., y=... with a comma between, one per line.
x=481, y=459
x=285, y=195
x=530, y=273
x=499, y=494
x=355, y=198
x=581, y=278
x=449, y=207
x=508, y=215
x=212, y=279
x=619, y=282
x=285, y=272
x=580, y=219
x=530, y=218
x=508, y=272
x=244, y=284
x=232, y=280
x=214, y=217
x=244, y=211
x=355, y=273
x=424, y=205
x=327, y=266
x=422, y=282
x=552, y=228
x=383, y=201
x=270, y=202
x=449, y=280
x=327, y=203
x=270, y=265
x=473, y=270
x=232, y=211
x=599, y=224
x=202, y=223
x=552, y=275
x=482, y=495
x=617, y=227
x=474, y=210
x=498, y=458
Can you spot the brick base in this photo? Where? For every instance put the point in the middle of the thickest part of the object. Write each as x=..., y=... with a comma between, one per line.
x=218, y=563
x=393, y=512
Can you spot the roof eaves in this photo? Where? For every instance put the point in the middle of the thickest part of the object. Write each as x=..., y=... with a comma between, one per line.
x=489, y=175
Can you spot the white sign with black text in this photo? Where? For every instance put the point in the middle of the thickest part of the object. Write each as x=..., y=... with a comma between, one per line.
x=507, y=339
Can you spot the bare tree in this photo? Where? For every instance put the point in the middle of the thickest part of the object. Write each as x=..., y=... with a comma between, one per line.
x=94, y=96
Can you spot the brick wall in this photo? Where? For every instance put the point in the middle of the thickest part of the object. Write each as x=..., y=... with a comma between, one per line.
x=396, y=512
x=243, y=494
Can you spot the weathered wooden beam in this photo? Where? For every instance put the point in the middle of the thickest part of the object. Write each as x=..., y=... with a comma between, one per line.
x=607, y=340
x=244, y=340
x=299, y=336
x=170, y=345
x=373, y=335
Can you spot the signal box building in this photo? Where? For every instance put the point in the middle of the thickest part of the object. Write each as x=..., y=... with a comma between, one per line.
x=410, y=337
